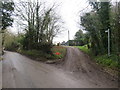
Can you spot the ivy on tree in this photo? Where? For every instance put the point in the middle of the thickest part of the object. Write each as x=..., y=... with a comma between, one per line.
x=6, y=10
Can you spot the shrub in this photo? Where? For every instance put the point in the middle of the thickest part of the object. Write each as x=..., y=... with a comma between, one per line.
x=12, y=46
x=107, y=61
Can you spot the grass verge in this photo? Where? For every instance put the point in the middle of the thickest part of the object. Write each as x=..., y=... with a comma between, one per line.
x=83, y=48
x=108, y=61
x=34, y=54
x=58, y=53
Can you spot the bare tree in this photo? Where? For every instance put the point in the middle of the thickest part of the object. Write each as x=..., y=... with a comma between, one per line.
x=43, y=24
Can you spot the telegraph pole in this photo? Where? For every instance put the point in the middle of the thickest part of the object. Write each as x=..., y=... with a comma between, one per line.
x=68, y=37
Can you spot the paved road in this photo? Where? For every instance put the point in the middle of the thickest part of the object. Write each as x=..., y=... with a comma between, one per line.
x=22, y=72
x=0, y=74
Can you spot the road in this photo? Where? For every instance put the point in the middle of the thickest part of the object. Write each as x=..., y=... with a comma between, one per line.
x=0, y=74
x=22, y=72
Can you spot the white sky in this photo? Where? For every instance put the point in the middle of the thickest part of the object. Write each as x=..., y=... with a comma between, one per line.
x=69, y=12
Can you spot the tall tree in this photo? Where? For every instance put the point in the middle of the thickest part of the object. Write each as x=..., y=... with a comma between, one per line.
x=43, y=24
x=104, y=14
x=79, y=35
x=91, y=23
x=6, y=12
x=101, y=14
x=115, y=26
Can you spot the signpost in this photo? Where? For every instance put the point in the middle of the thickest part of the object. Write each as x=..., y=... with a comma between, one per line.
x=108, y=31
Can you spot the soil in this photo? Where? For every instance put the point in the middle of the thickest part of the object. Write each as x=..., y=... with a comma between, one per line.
x=82, y=67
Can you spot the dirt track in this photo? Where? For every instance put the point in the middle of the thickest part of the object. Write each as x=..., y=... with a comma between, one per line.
x=83, y=68
x=77, y=72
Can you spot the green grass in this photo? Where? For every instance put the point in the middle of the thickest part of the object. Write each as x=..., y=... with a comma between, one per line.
x=34, y=53
x=108, y=61
x=58, y=49
x=39, y=54
x=84, y=48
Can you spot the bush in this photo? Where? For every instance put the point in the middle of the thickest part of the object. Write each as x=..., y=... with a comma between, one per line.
x=36, y=54
x=40, y=53
x=33, y=53
x=12, y=46
x=46, y=48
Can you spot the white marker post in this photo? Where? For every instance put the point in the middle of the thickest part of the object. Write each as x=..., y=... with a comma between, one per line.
x=108, y=31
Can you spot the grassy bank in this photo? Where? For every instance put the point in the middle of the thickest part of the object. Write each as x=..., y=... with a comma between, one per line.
x=58, y=53
x=35, y=54
x=84, y=49
x=108, y=61
x=103, y=60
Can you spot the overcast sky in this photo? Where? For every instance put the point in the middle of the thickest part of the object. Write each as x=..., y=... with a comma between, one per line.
x=69, y=10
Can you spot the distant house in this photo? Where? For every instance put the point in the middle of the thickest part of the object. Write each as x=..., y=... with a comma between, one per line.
x=75, y=43
x=63, y=43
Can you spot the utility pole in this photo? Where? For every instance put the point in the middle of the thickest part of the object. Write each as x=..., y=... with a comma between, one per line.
x=68, y=37
x=108, y=31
